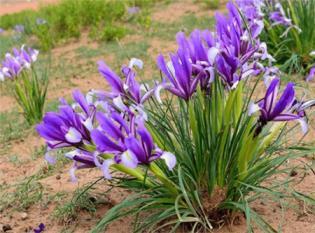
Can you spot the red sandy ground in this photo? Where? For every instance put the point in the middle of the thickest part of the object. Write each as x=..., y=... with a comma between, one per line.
x=12, y=6
x=300, y=222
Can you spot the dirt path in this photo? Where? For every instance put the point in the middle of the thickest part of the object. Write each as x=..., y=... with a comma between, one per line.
x=13, y=6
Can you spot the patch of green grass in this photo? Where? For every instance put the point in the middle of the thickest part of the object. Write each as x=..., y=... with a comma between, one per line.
x=38, y=152
x=12, y=126
x=137, y=49
x=52, y=105
x=22, y=195
x=111, y=32
x=68, y=18
x=87, y=52
x=15, y=159
x=211, y=4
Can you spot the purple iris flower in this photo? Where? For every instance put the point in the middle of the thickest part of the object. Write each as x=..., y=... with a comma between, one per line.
x=179, y=74
x=19, y=28
x=128, y=140
x=229, y=51
x=14, y=63
x=201, y=51
x=236, y=50
x=11, y=67
x=1, y=31
x=68, y=127
x=40, y=228
x=277, y=110
x=252, y=10
x=286, y=108
x=128, y=89
x=279, y=18
x=133, y=10
x=311, y=74
x=40, y=21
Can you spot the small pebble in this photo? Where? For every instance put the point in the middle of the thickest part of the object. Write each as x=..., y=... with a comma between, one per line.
x=293, y=173
x=6, y=227
x=58, y=177
x=24, y=216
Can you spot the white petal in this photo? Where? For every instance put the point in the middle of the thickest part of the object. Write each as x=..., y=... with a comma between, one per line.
x=126, y=87
x=157, y=93
x=212, y=53
x=234, y=85
x=118, y=102
x=312, y=53
x=170, y=160
x=49, y=158
x=136, y=62
x=252, y=108
x=211, y=73
x=71, y=154
x=1, y=76
x=105, y=168
x=268, y=79
x=129, y=159
x=308, y=104
x=73, y=135
x=304, y=125
x=89, y=97
x=96, y=159
x=34, y=55
x=88, y=123
x=170, y=68
x=72, y=174
x=247, y=73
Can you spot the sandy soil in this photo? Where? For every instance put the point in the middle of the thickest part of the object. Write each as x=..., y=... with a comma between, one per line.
x=13, y=6
x=292, y=222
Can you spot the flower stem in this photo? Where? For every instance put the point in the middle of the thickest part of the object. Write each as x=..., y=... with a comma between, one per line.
x=161, y=176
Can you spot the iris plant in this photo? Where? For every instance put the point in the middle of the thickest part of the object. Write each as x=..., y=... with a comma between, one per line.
x=180, y=154
x=287, y=29
x=30, y=90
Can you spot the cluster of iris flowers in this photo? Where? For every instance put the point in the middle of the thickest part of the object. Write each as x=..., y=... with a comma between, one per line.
x=14, y=63
x=29, y=88
x=112, y=130
x=273, y=12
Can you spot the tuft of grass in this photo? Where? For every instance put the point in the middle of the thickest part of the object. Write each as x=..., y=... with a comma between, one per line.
x=212, y=4
x=12, y=126
x=82, y=200
x=15, y=159
x=22, y=195
x=112, y=32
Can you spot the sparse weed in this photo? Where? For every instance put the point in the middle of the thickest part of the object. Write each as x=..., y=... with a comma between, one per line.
x=82, y=199
x=12, y=126
x=22, y=195
x=14, y=159
x=212, y=4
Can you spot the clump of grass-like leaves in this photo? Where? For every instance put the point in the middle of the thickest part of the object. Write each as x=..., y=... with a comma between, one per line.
x=29, y=88
x=292, y=50
x=203, y=151
x=221, y=161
